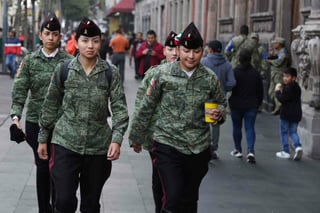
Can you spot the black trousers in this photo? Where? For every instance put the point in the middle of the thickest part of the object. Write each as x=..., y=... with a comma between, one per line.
x=68, y=169
x=43, y=180
x=180, y=177
x=156, y=187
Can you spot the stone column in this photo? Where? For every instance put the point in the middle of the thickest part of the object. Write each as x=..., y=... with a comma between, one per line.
x=306, y=58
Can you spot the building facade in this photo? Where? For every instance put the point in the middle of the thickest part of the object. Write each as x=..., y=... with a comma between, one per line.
x=298, y=21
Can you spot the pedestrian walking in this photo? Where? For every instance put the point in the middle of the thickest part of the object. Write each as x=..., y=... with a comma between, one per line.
x=119, y=45
x=279, y=60
x=237, y=43
x=132, y=53
x=32, y=81
x=244, y=102
x=150, y=53
x=181, y=138
x=289, y=94
x=83, y=143
x=171, y=55
x=71, y=44
x=12, y=49
x=217, y=62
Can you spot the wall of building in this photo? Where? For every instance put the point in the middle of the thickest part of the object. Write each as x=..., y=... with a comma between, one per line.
x=221, y=19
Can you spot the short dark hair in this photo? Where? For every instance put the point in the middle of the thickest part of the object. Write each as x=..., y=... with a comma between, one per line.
x=152, y=32
x=290, y=71
x=215, y=45
x=245, y=57
x=244, y=29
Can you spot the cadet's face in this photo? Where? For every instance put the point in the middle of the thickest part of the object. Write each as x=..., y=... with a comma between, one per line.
x=50, y=39
x=189, y=58
x=89, y=46
x=171, y=53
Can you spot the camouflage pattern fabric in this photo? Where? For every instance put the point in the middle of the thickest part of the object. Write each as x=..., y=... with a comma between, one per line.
x=83, y=126
x=277, y=66
x=33, y=75
x=145, y=83
x=237, y=44
x=180, y=104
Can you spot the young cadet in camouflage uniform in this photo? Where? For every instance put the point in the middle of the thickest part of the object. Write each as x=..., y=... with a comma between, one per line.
x=278, y=62
x=34, y=76
x=83, y=143
x=181, y=138
x=170, y=52
x=237, y=43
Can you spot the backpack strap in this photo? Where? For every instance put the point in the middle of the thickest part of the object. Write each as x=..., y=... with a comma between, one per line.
x=64, y=73
x=108, y=73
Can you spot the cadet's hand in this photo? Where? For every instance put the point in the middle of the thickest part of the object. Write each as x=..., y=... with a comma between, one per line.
x=113, y=151
x=215, y=114
x=43, y=151
x=17, y=122
x=136, y=147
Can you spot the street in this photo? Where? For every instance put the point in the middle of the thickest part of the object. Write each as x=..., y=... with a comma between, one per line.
x=232, y=185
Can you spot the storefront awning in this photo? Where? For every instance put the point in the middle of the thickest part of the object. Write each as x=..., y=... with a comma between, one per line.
x=124, y=6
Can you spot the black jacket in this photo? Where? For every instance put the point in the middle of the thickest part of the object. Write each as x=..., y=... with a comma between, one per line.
x=290, y=98
x=248, y=92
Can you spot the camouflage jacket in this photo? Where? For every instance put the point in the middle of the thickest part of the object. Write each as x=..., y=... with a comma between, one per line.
x=280, y=62
x=83, y=126
x=239, y=43
x=33, y=75
x=180, y=102
x=147, y=140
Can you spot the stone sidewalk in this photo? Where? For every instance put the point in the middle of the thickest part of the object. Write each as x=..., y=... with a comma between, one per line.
x=231, y=185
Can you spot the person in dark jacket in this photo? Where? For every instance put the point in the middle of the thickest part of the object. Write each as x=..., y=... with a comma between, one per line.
x=290, y=113
x=216, y=61
x=244, y=102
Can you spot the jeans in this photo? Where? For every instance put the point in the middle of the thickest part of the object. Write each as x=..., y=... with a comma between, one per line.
x=11, y=64
x=249, y=117
x=119, y=59
x=287, y=129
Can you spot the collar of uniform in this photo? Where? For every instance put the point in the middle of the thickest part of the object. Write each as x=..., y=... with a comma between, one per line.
x=52, y=55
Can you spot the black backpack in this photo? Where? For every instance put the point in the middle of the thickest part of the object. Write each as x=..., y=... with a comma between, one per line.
x=65, y=71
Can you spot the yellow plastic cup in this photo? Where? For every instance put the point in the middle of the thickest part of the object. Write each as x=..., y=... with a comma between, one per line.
x=207, y=107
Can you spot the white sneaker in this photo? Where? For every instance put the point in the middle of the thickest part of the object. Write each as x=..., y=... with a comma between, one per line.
x=283, y=155
x=297, y=156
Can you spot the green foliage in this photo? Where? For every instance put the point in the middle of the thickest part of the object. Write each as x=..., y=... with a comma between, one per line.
x=75, y=10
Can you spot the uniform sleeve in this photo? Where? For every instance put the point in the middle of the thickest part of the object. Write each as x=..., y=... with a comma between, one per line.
x=120, y=118
x=282, y=58
x=141, y=92
x=20, y=88
x=51, y=106
x=219, y=96
x=144, y=113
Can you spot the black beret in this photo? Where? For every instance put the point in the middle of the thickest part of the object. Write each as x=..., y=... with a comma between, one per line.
x=191, y=38
x=87, y=28
x=16, y=134
x=51, y=23
x=170, y=41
